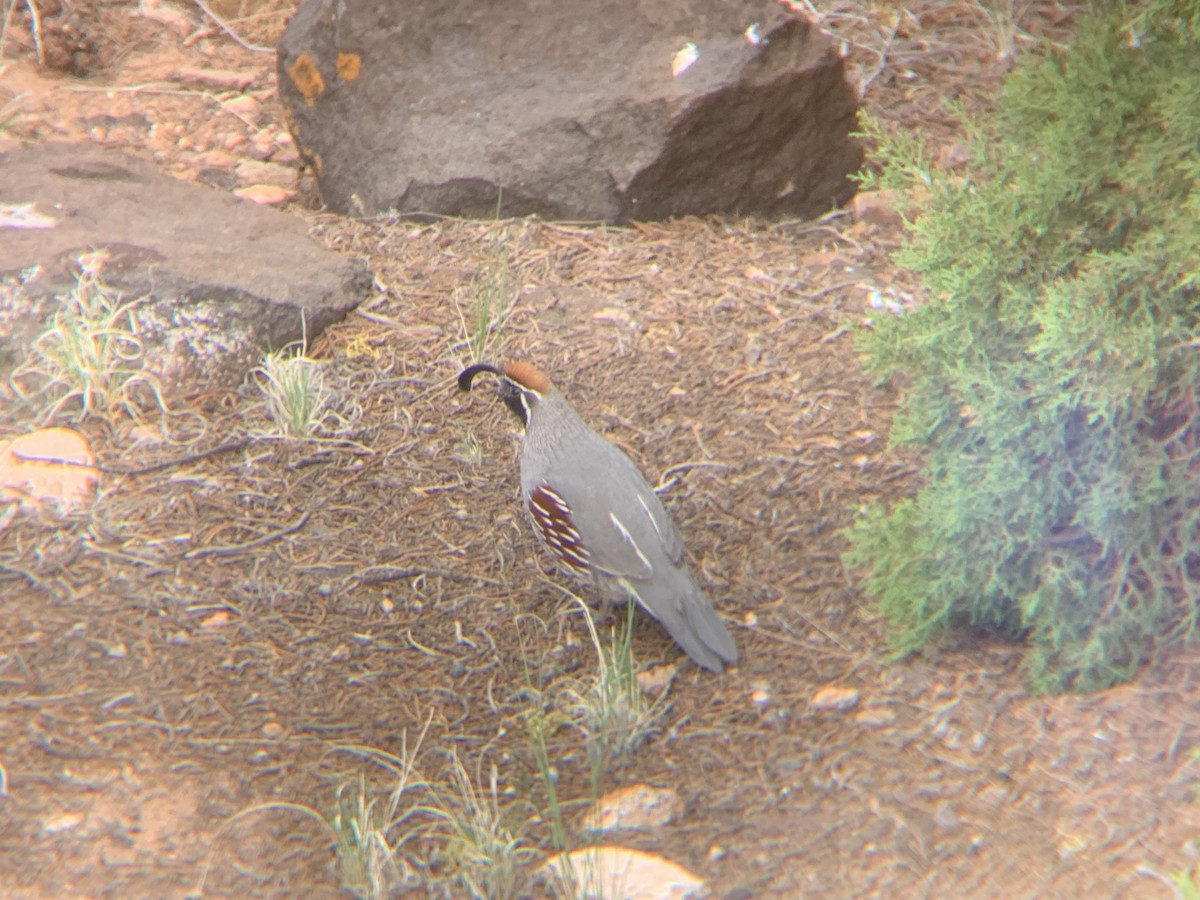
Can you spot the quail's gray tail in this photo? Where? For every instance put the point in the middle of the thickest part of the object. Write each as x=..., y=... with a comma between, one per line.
x=690, y=619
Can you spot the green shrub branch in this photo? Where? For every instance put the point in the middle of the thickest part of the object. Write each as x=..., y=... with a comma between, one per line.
x=1052, y=374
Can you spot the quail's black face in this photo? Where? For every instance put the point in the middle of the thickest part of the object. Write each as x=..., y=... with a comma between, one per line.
x=513, y=396
x=521, y=398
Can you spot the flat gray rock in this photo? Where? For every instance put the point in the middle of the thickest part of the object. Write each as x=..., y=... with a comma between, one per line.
x=568, y=110
x=224, y=280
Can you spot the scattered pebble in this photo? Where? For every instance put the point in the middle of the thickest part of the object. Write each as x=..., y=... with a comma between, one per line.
x=243, y=105
x=761, y=697
x=258, y=172
x=611, y=315
x=265, y=194
x=53, y=465
x=219, y=619
x=837, y=699
x=944, y=815
x=219, y=159
x=637, y=807
x=222, y=79
x=876, y=716
x=624, y=873
x=876, y=208
x=655, y=680
x=62, y=822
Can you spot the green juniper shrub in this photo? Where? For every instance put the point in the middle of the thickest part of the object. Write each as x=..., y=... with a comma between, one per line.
x=1053, y=375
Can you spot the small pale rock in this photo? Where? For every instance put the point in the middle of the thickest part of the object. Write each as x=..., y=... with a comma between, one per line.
x=761, y=698
x=258, y=172
x=272, y=730
x=266, y=137
x=684, y=58
x=835, y=698
x=944, y=815
x=219, y=159
x=951, y=736
x=265, y=194
x=54, y=464
x=637, y=807
x=876, y=716
x=243, y=105
x=611, y=315
x=217, y=620
x=23, y=215
x=62, y=822
x=953, y=156
x=655, y=680
x=609, y=872
x=994, y=795
x=225, y=79
x=750, y=620
x=155, y=11
x=340, y=653
x=876, y=208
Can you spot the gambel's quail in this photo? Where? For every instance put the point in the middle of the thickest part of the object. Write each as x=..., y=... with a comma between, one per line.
x=600, y=519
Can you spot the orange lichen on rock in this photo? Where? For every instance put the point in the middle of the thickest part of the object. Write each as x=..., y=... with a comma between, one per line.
x=348, y=66
x=307, y=79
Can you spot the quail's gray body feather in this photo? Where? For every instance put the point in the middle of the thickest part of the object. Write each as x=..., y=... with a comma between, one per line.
x=635, y=554
x=593, y=510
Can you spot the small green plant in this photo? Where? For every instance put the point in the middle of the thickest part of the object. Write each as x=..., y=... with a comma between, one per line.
x=369, y=863
x=489, y=300
x=371, y=837
x=470, y=450
x=608, y=707
x=540, y=725
x=1186, y=886
x=90, y=352
x=294, y=386
x=483, y=849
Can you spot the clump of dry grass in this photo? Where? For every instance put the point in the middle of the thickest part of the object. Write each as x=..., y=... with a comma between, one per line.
x=608, y=706
x=293, y=385
x=89, y=354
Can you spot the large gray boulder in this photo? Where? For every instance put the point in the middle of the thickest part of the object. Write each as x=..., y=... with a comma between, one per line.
x=218, y=281
x=567, y=110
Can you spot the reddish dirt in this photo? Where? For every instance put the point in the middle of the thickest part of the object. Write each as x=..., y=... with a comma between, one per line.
x=214, y=636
